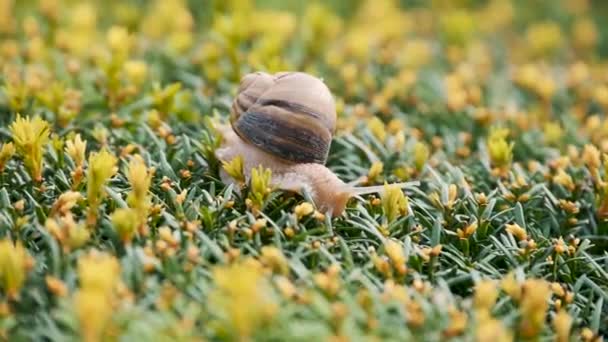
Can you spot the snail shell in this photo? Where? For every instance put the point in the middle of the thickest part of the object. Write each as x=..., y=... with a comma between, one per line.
x=290, y=115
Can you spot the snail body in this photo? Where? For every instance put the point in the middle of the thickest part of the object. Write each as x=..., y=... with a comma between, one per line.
x=285, y=122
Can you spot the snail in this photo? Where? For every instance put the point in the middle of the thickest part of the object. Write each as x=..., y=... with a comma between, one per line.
x=285, y=122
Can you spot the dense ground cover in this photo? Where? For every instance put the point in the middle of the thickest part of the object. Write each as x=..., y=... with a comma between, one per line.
x=115, y=224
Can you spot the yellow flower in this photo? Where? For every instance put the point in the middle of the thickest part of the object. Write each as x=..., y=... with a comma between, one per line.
x=167, y=17
x=534, y=304
x=517, y=231
x=544, y=38
x=66, y=202
x=452, y=195
x=30, y=136
x=395, y=253
x=118, y=39
x=492, y=330
x=140, y=178
x=163, y=98
x=303, y=209
x=416, y=53
x=6, y=153
x=260, y=186
x=125, y=222
x=98, y=271
x=321, y=26
x=272, y=22
x=259, y=224
x=71, y=235
x=467, y=231
x=486, y=293
x=591, y=157
x=421, y=155
x=93, y=311
x=394, y=202
x=102, y=166
x=56, y=286
x=376, y=126
x=136, y=71
x=181, y=197
x=499, y=150
x=78, y=235
x=553, y=133
x=375, y=171
x=273, y=257
x=564, y=179
x=100, y=134
x=562, y=324
x=458, y=26
x=235, y=169
x=13, y=262
x=458, y=323
x=242, y=298
x=76, y=148
x=510, y=285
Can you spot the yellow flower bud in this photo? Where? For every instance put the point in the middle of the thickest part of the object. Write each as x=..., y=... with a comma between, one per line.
x=375, y=171
x=499, y=150
x=394, y=202
x=544, y=38
x=492, y=330
x=553, y=133
x=235, y=169
x=124, y=221
x=510, y=285
x=534, y=304
x=66, y=202
x=98, y=271
x=76, y=148
x=136, y=71
x=30, y=136
x=376, y=126
x=273, y=257
x=486, y=293
x=421, y=155
x=93, y=311
x=13, y=263
x=78, y=235
x=467, y=231
x=591, y=157
x=102, y=166
x=243, y=297
x=259, y=186
x=118, y=39
x=303, y=209
x=517, y=231
x=564, y=179
x=140, y=178
x=395, y=253
x=6, y=153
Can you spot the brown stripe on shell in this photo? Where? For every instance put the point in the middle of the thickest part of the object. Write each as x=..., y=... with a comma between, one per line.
x=283, y=139
x=291, y=107
x=242, y=102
